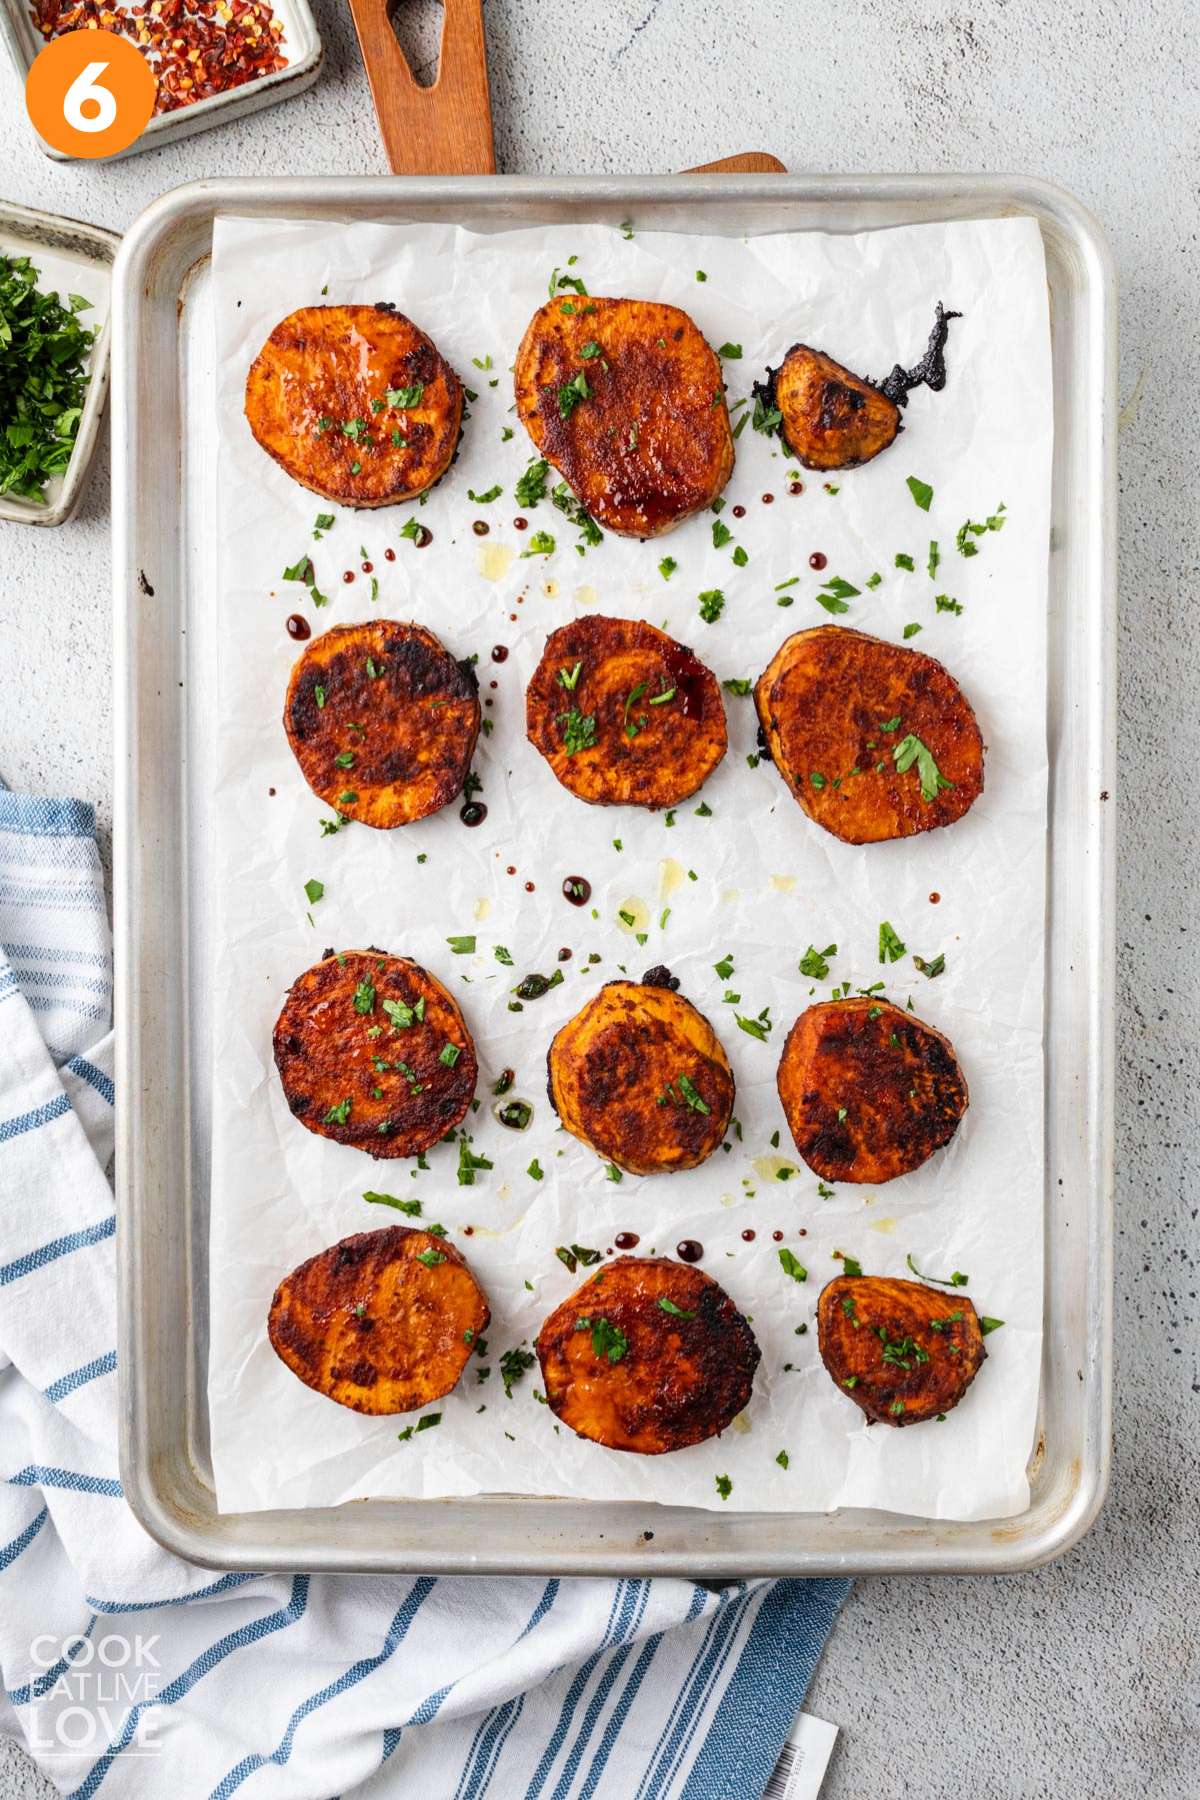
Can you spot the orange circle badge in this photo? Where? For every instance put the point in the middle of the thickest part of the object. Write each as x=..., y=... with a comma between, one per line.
x=90, y=93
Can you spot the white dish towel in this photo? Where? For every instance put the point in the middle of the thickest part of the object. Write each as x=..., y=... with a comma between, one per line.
x=127, y=1672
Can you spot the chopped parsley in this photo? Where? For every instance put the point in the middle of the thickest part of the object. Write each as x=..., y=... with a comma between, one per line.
x=301, y=571
x=987, y=1325
x=339, y=1114
x=890, y=947
x=569, y=678
x=957, y=1279
x=314, y=889
x=667, y=567
x=947, y=604
x=412, y=1208
x=540, y=544
x=431, y=1258
x=971, y=529
x=740, y=556
x=721, y=534
x=514, y=1366
x=725, y=967
x=488, y=494
x=792, y=1266
x=43, y=378
x=724, y=1486
x=782, y=1459
x=712, y=605
x=676, y=1312
x=608, y=1340
x=462, y=946
x=404, y=397
x=933, y=968
x=911, y=750
x=815, y=963
x=531, y=486
x=468, y=1162
x=450, y=1054
x=571, y=393
x=921, y=492
x=910, y=631
x=578, y=730
x=755, y=1028
x=903, y=561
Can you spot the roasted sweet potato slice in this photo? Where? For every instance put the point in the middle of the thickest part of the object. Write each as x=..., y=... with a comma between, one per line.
x=372, y=1051
x=901, y=1351
x=649, y=1355
x=627, y=401
x=382, y=721
x=641, y=1076
x=382, y=1323
x=874, y=740
x=623, y=714
x=356, y=403
x=870, y=1092
x=830, y=419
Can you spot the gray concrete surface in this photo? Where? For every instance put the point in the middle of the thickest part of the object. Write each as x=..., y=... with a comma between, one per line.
x=1079, y=1682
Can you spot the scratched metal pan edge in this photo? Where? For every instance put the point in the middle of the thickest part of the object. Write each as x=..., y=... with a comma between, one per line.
x=159, y=912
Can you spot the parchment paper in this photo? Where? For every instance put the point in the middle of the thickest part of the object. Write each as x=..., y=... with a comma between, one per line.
x=767, y=882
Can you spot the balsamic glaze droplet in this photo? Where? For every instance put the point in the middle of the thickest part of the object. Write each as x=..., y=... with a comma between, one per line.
x=473, y=813
x=796, y=487
x=423, y=538
x=520, y=524
x=689, y=1250
x=627, y=1240
x=749, y=1235
x=481, y=528
x=817, y=560
x=739, y=512
x=499, y=653
x=298, y=626
x=577, y=889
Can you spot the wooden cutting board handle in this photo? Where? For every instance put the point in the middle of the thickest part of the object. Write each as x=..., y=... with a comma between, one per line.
x=445, y=129
x=750, y=162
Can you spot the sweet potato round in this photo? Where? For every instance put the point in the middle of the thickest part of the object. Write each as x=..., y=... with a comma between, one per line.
x=382, y=721
x=642, y=723
x=640, y=1075
x=831, y=419
x=649, y=444
x=317, y=400
x=824, y=701
x=353, y=1071
x=625, y=1370
x=382, y=1323
x=903, y=1352
x=870, y=1092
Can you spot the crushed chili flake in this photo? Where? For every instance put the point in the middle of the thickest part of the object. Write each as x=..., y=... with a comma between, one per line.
x=195, y=47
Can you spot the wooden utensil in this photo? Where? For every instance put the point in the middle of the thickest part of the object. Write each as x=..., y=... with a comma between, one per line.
x=446, y=129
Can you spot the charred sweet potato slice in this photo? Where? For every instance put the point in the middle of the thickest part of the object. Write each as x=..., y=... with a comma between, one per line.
x=649, y=1355
x=870, y=1092
x=626, y=399
x=356, y=403
x=874, y=740
x=623, y=714
x=382, y=1323
x=901, y=1351
x=830, y=419
x=641, y=1076
x=372, y=1051
x=382, y=721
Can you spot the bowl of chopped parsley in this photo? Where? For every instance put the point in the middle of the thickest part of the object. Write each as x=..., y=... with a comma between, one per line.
x=54, y=287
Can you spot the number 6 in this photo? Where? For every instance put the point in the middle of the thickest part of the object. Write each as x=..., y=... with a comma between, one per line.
x=84, y=88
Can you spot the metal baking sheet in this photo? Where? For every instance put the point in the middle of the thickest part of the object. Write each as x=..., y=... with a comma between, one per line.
x=160, y=517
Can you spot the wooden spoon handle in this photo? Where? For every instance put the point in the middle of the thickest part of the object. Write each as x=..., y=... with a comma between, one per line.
x=445, y=129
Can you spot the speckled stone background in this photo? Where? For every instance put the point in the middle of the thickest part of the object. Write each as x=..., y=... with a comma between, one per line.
x=1082, y=1680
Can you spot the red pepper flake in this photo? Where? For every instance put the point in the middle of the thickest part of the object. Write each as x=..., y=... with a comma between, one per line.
x=196, y=48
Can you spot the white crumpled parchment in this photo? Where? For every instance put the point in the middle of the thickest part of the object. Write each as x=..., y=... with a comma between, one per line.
x=755, y=880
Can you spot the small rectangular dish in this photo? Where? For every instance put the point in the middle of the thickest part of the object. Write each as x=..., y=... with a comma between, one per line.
x=301, y=42
x=73, y=258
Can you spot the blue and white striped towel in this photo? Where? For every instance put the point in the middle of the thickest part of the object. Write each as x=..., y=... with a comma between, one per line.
x=131, y=1673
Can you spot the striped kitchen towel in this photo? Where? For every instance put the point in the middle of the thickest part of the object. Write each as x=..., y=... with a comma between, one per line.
x=128, y=1673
